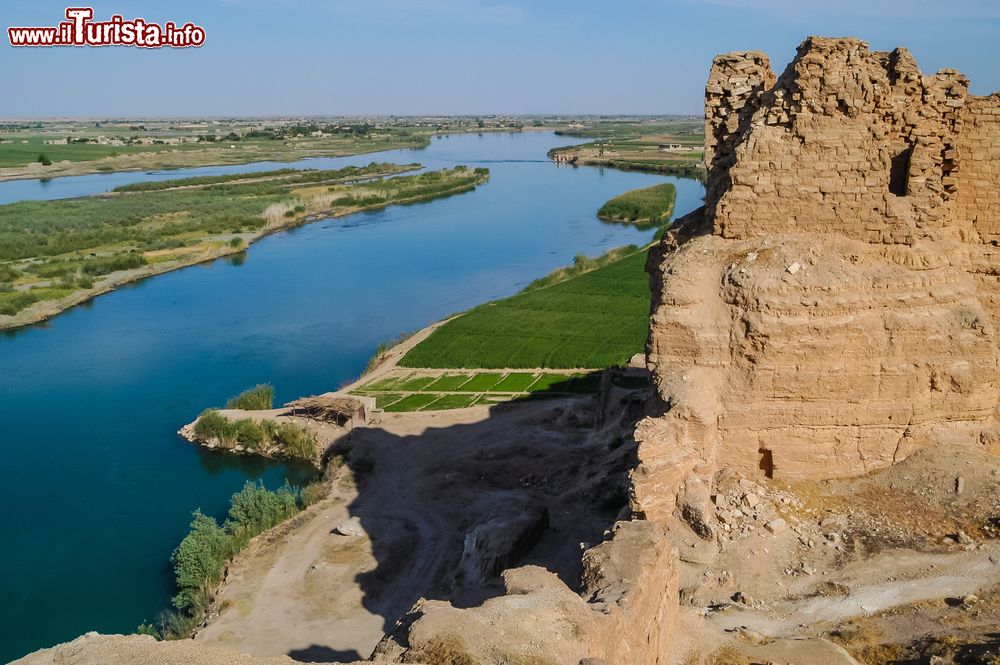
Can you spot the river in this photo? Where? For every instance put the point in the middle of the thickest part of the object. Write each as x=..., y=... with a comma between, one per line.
x=98, y=487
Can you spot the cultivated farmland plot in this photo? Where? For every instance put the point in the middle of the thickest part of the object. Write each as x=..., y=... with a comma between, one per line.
x=595, y=319
x=405, y=390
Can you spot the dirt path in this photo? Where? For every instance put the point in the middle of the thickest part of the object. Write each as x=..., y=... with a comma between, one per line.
x=893, y=579
x=272, y=606
x=309, y=592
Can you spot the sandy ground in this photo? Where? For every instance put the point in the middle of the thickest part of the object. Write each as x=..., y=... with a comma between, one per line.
x=890, y=566
x=416, y=483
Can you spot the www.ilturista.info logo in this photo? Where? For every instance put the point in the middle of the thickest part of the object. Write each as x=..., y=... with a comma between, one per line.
x=81, y=30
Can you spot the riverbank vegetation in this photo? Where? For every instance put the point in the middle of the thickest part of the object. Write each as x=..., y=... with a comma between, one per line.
x=61, y=250
x=200, y=560
x=61, y=147
x=650, y=206
x=630, y=127
x=265, y=437
x=258, y=398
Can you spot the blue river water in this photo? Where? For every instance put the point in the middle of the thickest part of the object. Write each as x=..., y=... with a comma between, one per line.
x=99, y=488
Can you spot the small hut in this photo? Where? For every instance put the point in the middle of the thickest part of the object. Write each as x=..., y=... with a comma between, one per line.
x=342, y=411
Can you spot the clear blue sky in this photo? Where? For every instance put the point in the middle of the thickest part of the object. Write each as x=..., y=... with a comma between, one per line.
x=333, y=57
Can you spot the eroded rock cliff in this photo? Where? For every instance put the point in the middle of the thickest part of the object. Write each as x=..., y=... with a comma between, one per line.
x=833, y=308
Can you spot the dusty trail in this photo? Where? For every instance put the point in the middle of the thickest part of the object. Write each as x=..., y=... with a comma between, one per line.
x=893, y=579
x=313, y=594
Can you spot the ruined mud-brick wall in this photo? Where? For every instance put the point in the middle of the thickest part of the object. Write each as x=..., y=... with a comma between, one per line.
x=735, y=84
x=836, y=305
x=849, y=141
x=978, y=153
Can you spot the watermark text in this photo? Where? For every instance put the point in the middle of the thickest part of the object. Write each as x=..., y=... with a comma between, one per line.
x=80, y=29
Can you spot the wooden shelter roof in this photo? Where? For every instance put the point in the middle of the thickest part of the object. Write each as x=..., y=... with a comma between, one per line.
x=327, y=407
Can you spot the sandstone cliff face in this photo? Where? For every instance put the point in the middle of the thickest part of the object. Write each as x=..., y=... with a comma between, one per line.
x=835, y=305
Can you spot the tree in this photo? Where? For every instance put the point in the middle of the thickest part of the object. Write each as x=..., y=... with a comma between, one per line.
x=44, y=160
x=199, y=561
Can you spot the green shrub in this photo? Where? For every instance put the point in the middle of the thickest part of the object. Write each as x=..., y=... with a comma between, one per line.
x=176, y=625
x=13, y=302
x=9, y=273
x=258, y=398
x=313, y=493
x=212, y=425
x=67, y=280
x=251, y=435
x=255, y=509
x=296, y=440
x=147, y=629
x=651, y=205
x=258, y=436
x=199, y=562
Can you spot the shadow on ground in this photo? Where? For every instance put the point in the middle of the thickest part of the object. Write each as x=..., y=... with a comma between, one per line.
x=318, y=654
x=447, y=508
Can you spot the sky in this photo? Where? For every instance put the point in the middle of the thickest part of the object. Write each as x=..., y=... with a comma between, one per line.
x=450, y=57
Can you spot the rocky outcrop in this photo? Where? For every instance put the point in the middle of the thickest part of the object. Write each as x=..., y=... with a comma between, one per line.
x=835, y=305
x=623, y=616
x=500, y=541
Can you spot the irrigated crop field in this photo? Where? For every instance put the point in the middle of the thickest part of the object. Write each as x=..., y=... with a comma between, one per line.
x=406, y=390
x=592, y=319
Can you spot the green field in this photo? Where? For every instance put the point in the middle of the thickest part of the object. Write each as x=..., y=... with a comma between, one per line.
x=49, y=249
x=646, y=207
x=26, y=149
x=636, y=145
x=405, y=390
x=597, y=318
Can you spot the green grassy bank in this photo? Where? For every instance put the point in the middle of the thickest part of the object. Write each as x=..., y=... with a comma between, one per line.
x=646, y=207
